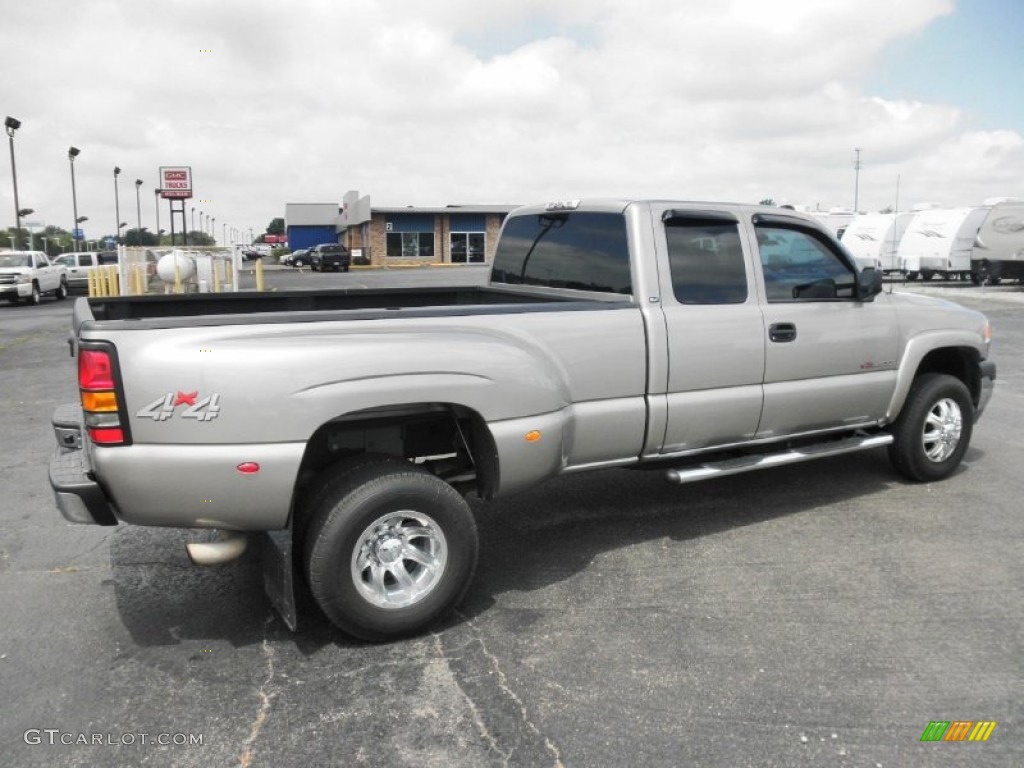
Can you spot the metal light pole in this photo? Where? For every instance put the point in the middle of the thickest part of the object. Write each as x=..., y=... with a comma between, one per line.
x=193, y=226
x=138, y=210
x=12, y=124
x=213, y=229
x=856, y=179
x=72, y=154
x=156, y=208
x=117, y=205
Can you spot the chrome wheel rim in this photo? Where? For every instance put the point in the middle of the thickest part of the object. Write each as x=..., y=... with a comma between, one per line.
x=943, y=428
x=399, y=559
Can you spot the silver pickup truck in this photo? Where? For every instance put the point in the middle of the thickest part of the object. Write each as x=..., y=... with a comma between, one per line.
x=347, y=427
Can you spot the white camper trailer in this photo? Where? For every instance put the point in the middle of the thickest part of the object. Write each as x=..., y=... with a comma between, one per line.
x=873, y=239
x=939, y=241
x=834, y=219
x=999, y=247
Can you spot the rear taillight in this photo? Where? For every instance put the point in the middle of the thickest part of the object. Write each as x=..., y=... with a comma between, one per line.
x=99, y=397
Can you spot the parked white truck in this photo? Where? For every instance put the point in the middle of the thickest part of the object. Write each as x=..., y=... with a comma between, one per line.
x=29, y=275
x=348, y=425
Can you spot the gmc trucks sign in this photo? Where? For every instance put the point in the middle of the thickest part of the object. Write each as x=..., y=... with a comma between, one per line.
x=176, y=182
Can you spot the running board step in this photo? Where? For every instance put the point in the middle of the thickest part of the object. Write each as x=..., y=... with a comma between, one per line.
x=766, y=460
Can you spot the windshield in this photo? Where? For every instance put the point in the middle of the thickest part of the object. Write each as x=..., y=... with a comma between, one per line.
x=15, y=260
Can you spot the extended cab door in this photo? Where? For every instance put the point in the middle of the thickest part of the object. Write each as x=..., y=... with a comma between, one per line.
x=47, y=275
x=716, y=333
x=831, y=358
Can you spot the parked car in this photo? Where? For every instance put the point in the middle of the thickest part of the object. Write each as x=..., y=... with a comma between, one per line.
x=299, y=258
x=30, y=274
x=80, y=263
x=330, y=256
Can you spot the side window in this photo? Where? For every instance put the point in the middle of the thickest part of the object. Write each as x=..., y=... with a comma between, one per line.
x=801, y=265
x=85, y=260
x=706, y=261
x=40, y=262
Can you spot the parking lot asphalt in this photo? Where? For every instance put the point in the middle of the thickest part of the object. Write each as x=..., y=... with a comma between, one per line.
x=815, y=615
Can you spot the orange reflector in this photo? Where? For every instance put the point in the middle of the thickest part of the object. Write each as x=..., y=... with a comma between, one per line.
x=99, y=401
x=248, y=467
x=533, y=436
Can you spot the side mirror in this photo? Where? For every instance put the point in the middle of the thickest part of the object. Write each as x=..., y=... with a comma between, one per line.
x=869, y=283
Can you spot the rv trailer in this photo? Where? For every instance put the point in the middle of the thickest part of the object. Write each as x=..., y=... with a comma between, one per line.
x=999, y=247
x=938, y=241
x=873, y=239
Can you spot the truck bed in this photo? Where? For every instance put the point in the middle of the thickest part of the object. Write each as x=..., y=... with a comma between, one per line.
x=355, y=303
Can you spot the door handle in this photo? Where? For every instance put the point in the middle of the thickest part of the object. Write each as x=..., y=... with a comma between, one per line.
x=782, y=332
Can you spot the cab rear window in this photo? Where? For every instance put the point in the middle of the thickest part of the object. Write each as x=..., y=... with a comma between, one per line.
x=584, y=251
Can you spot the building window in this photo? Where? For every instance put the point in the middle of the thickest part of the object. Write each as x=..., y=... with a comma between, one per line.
x=410, y=245
x=467, y=247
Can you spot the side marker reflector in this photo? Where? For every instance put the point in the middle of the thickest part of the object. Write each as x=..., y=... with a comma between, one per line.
x=533, y=436
x=248, y=467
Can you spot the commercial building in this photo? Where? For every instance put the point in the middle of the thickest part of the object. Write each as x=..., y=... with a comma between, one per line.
x=452, y=234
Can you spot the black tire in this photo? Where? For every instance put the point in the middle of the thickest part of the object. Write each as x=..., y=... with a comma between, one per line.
x=62, y=290
x=345, y=268
x=390, y=548
x=36, y=296
x=298, y=262
x=934, y=428
x=927, y=275
x=912, y=275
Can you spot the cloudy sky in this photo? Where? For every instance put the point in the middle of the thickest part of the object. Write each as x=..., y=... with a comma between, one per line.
x=509, y=101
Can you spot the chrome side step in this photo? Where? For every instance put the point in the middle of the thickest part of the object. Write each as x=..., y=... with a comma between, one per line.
x=766, y=460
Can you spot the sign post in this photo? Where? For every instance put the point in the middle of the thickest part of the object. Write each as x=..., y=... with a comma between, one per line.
x=176, y=184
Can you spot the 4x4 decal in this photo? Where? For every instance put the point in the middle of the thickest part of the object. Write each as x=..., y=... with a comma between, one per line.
x=163, y=408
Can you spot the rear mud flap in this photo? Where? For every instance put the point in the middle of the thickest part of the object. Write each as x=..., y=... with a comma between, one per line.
x=279, y=574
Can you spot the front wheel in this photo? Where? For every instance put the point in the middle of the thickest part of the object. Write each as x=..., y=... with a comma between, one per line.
x=934, y=429
x=62, y=290
x=36, y=296
x=390, y=549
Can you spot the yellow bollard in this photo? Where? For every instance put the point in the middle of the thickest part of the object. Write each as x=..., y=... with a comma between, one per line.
x=259, y=275
x=115, y=281
x=91, y=283
x=216, y=279
x=229, y=274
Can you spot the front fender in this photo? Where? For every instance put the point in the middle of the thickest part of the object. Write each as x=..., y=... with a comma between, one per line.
x=915, y=352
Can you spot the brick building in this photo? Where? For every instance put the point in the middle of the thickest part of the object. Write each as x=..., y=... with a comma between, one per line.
x=453, y=234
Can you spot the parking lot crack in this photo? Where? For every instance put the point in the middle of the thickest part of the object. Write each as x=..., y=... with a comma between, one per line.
x=265, y=697
x=486, y=687
x=478, y=720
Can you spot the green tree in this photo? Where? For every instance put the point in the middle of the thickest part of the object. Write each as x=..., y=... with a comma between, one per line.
x=139, y=237
x=767, y=201
x=887, y=209
x=276, y=227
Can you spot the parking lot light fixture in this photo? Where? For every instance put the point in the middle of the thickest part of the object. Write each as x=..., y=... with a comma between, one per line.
x=138, y=209
x=12, y=124
x=117, y=201
x=73, y=152
x=156, y=210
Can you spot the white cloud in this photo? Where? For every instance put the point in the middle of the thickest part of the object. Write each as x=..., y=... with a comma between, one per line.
x=427, y=103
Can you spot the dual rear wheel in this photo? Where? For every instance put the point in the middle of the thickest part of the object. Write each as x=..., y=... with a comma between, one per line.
x=389, y=548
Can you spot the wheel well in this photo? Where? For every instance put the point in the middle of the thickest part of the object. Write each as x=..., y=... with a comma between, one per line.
x=960, y=362
x=451, y=441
